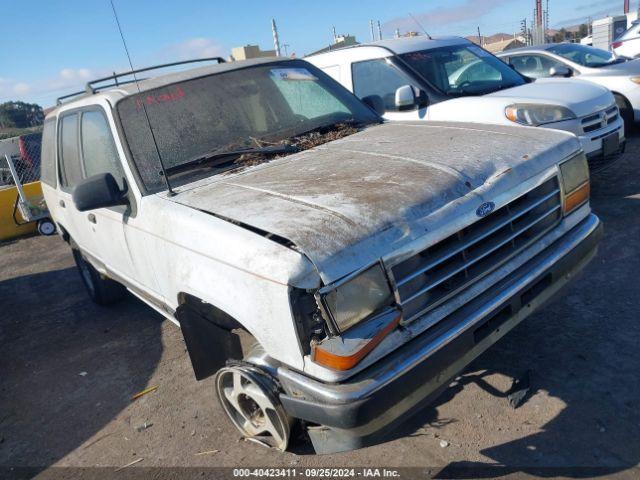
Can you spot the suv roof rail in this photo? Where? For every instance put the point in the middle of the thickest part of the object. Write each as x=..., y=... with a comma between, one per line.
x=91, y=88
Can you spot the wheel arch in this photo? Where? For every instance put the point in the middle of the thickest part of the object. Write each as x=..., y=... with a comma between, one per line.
x=211, y=335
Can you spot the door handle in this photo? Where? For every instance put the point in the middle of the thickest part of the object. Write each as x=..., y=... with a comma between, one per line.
x=92, y=218
x=61, y=203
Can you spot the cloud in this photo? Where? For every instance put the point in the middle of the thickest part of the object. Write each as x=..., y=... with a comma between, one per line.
x=195, y=48
x=469, y=10
x=21, y=88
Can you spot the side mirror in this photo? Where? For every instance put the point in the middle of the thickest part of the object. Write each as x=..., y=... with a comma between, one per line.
x=405, y=98
x=560, y=71
x=98, y=191
x=375, y=103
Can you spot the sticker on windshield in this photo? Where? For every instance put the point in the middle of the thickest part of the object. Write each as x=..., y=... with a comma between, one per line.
x=478, y=51
x=295, y=74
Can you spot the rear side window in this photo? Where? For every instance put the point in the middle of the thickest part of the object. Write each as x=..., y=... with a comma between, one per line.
x=71, y=170
x=99, y=153
x=48, y=154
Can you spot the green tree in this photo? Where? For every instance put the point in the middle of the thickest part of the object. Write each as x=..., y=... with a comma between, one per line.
x=583, y=30
x=20, y=115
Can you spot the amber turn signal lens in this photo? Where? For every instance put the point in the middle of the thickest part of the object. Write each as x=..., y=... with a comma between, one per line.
x=576, y=198
x=346, y=362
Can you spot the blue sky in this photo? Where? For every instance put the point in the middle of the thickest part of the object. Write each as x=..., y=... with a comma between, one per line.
x=51, y=47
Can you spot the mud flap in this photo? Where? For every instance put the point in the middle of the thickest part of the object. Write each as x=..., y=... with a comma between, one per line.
x=209, y=345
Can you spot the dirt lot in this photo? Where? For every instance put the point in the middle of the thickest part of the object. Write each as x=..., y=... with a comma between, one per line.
x=69, y=368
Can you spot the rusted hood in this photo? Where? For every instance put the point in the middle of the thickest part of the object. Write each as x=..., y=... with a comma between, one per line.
x=349, y=202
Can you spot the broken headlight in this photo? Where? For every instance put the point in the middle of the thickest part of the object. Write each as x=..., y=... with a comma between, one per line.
x=353, y=299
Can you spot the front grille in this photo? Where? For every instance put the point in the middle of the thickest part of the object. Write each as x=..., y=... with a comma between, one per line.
x=434, y=275
x=600, y=120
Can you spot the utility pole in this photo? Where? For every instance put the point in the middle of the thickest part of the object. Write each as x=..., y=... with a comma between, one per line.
x=335, y=37
x=373, y=37
x=397, y=33
x=523, y=30
x=479, y=36
x=276, y=41
x=379, y=31
x=285, y=46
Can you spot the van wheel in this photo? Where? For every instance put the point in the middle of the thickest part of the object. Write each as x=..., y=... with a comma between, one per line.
x=626, y=112
x=101, y=289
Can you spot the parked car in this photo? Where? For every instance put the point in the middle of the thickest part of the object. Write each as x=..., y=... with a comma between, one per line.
x=628, y=44
x=366, y=263
x=620, y=75
x=588, y=40
x=452, y=79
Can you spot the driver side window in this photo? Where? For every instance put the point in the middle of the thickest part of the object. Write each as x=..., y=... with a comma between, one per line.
x=378, y=77
x=99, y=153
x=534, y=66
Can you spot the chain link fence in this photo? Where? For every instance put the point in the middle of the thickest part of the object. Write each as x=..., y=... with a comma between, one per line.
x=24, y=151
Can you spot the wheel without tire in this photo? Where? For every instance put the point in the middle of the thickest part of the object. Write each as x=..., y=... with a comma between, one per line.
x=46, y=227
x=249, y=399
x=101, y=289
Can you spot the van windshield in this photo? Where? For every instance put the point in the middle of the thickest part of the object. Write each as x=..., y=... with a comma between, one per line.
x=460, y=70
x=202, y=125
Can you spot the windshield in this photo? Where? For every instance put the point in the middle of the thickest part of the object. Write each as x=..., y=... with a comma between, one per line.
x=632, y=32
x=583, y=54
x=465, y=69
x=241, y=109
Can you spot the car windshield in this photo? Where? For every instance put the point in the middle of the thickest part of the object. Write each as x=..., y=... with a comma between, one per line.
x=460, y=70
x=632, y=32
x=225, y=115
x=583, y=54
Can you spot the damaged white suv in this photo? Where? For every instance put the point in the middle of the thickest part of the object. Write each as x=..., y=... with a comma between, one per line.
x=367, y=263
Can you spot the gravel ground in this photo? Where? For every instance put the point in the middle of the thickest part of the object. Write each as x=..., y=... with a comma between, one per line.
x=68, y=370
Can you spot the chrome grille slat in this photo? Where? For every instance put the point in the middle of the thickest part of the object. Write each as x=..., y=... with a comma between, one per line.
x=434, y=275
x=479, y=257
x=599, y=120
x=471, y=241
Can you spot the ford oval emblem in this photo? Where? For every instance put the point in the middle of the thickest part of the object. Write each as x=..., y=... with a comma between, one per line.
x=485, y=209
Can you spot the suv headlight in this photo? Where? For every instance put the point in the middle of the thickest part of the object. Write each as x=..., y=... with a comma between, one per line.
x=355, y=298
x=575, y=182
x=535, y=114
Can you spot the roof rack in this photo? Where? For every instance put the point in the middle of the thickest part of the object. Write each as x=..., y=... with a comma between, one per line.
x=91, y=88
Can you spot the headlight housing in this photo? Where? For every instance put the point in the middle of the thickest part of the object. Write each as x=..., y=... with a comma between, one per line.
x=635, y=80
x=355, y=298
x=536, y=114
x=575, y=182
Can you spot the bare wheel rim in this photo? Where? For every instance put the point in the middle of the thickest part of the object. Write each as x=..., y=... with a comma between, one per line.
x=251, y=408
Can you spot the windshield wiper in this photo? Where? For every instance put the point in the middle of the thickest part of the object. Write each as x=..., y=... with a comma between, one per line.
x=228, y=156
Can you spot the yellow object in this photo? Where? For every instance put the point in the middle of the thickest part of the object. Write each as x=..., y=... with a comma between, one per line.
x=144, y=392
x=8, y=228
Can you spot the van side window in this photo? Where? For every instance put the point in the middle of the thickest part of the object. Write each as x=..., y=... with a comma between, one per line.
x=378, y=77
x=70, y=168
x=99, y=154
x=48, y=153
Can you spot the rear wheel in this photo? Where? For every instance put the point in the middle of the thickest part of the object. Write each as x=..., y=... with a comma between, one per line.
x=626, y=112
x=248, y=397
x=101, y=289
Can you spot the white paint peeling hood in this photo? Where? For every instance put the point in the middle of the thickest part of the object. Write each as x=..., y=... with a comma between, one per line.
x=350, y=202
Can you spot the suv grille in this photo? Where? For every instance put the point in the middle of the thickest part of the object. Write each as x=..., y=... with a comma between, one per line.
x=432, y=276
x=600, y=120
